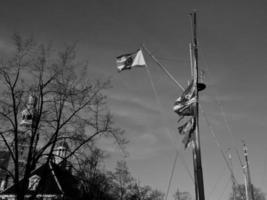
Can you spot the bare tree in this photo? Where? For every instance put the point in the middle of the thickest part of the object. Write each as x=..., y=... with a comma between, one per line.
x=139, y=192
x=125, y=187
x=240, y=193
x=64, y=105
x=122, y=180
x=182, y=195
x=95, y=183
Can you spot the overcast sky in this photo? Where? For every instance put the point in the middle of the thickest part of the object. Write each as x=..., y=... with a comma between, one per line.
x=232, y=50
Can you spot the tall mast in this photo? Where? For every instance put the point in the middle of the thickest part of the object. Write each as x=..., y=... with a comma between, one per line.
x=232, y=176
x=199, y=184
x=248, y=184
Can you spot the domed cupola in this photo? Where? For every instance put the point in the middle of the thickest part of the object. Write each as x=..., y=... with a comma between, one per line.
x=61, y=152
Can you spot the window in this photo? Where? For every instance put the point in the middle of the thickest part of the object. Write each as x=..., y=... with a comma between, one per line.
x=33, y=182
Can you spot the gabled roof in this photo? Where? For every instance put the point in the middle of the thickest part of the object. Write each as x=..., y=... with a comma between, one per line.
x=54, y=180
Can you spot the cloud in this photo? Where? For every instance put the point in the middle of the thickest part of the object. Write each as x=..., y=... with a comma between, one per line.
x=139, y=116
x=133, y=112
x=134, y=103
x=140, y=147
x=146, y=146
x=144, y=141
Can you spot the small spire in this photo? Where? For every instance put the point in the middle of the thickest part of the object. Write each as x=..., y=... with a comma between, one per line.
x=29, y=111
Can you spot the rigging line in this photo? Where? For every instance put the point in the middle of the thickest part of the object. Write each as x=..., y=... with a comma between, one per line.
x=229, y=130
x=223, y=113
x=216, y=141
x=186, y=167
x=160, y=105
x=163, y=68
x=211, y=130
x=171, y=176
x=157, y=99
x=203, y=58
x=172, y=172
x=168, y=131
x=264, y=167
x=216, y=183
x=224, y=189
x=170, y=59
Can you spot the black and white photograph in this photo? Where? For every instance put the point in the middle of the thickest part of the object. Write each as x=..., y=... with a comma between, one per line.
x=133, y=100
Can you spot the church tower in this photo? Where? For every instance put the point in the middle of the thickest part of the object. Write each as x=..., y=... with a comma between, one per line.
x=25, y=131
x=28, y=114
x=24, y=135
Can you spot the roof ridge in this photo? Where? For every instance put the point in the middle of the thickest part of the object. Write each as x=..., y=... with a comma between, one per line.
x=55, y=177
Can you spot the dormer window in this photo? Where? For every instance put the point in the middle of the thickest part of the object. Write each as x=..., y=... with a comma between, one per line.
x=33, y=182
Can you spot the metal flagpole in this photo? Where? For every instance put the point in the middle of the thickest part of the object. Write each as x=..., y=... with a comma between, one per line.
x=193, y=144
x=199, y=184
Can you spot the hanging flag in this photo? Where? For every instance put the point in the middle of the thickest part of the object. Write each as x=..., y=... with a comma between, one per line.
x=188, y=139
x=127, y=61
x=184, y=105
x=188, y=129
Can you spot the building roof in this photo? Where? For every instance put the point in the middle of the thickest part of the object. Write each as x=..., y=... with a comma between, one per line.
x=51, y=179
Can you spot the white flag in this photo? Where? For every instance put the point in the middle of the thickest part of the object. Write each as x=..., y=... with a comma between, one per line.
x=127, y=61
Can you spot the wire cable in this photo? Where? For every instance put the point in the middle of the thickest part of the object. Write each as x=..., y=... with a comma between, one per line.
x=216, y=141
x=163, y=68
x=170, y=136
x=226, y=122
x=229, y=130
x=216, y=183
x=224, y=189
x=172, y=173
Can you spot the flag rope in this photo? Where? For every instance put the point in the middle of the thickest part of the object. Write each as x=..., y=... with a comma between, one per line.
x=215, y=185
x=216, y=141
x=158, y=100
x=160, y=106
x=170, y=135
x=208, y=124
x=163, y=68
x=229, y=131
x=171, y=176
x=224, y=189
